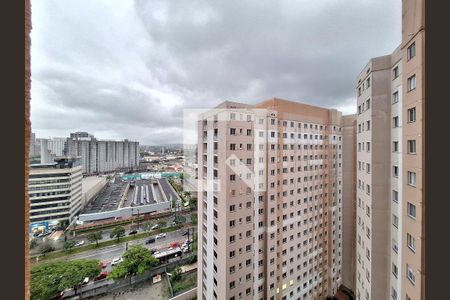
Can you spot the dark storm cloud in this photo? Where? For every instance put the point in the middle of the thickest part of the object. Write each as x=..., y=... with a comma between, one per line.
x=125, y=70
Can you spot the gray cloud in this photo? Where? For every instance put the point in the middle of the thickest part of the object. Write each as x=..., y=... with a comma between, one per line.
x=127, y=70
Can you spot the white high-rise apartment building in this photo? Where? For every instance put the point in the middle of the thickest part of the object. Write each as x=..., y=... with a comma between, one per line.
x=99, y=156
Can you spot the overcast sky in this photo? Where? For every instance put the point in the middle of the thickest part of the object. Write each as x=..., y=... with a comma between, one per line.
x=127, y=69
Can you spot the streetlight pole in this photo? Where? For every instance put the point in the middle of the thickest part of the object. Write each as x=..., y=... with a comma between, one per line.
x=131, y=217
x=138, y=219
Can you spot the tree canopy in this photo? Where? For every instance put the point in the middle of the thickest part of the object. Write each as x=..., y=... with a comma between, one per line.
x=95, y=237
x=136, y=260
x=117, y=232
x=49, y=279
x=68, y=245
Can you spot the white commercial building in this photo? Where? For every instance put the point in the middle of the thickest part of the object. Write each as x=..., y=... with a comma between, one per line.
x=54, y=192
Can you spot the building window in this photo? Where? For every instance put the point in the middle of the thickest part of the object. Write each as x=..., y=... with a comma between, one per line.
x=395, y=72
x=395, y=196
x=411, y=178
x=395, y=121
x=368, y=84
x=394, y=294
x=411, y=83
x=411, y=209
x=411, y=51
x=395, y=146
x=411, y=242
x=411, y=146
x=395, y=97
x=394, y=246
x=411, y=115
x=394, y=270
x=410, y=274
x=395, y=171
x=395, y=220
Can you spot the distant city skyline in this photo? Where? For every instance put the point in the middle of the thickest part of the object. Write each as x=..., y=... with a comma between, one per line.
x=128, y=69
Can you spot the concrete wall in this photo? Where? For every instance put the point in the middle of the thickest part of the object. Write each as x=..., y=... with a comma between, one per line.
x=89, y=194
x=124, y=212
x=189, y=295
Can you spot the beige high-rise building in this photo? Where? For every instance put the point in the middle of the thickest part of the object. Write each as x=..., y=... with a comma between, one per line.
x=390, y=215
x=271, y=187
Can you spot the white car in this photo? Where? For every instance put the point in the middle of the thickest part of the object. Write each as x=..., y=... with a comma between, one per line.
x=116, y=261
x=79, y=243
x=160, y=236
x=155, y=227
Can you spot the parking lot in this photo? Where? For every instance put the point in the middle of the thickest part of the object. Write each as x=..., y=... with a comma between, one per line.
x=108, y=199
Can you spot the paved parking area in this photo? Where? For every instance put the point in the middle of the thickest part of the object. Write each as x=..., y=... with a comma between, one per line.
x=109, y=199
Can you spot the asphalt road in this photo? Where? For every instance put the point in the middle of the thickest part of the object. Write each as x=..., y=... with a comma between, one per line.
x=107, y=254
x=58, y=244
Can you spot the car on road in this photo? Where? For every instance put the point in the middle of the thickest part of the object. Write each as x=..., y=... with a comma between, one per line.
x=85, y=281
x=150, y=240
x=160, y=236
x=79, y=243
x=101, y=276
x=156, y=226
x=132, y=232
x=116, y=261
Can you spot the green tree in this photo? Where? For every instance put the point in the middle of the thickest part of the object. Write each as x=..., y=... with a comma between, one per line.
x=176, y=274
x=194, y=219
x=50, y=279
x=117, y=232
x=147, y=226
x=179, y=219
x=162, y=223
x=95, y=237
x=192, y=258
x=136, y=260
x=63, y=224
x=33, y=243
x=46, y=247
x=193, y=203
x=68, y=245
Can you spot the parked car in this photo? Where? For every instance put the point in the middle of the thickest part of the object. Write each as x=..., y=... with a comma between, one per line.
x=132, y=232
x=186, y=232
x=85, y=281
x=160, y=236
x=150, y=240
x=103, y=264
x=156, y=226
x=101, y=276
x=116, y=261
x=79, y=243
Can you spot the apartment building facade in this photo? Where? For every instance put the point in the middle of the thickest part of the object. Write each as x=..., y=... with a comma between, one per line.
x=390, y=255
x=55, y=192
x=270, y=201
x=413, y=158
